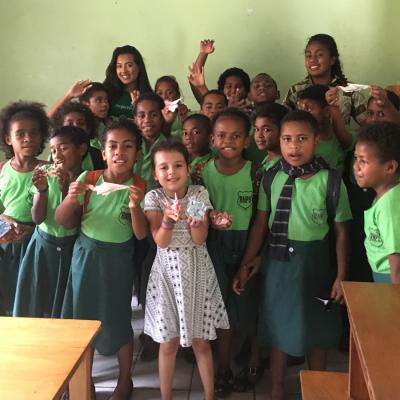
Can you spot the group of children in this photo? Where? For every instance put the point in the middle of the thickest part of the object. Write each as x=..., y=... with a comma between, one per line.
x=234, y=221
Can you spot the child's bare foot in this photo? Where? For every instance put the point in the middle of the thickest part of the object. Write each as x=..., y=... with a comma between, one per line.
x=123, y=391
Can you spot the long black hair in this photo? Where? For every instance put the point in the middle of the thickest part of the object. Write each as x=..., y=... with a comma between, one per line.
x=113, y=85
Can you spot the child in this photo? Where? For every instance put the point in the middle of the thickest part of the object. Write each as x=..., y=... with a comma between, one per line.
x=233, y=186
x=96, y=99
x=80, y=116
x=263, y=89
x=383, y=105
x=101, y=278
x=267, y=121
x=377, y=160
x=183, y=302
x=45, y=267
x=324, y=68
x=24, y=128
x=126, y=79
x=212, y=102
x=149, y=119
x=296, y=262
x=334, y=139
x=168, y=89
x=196, y=133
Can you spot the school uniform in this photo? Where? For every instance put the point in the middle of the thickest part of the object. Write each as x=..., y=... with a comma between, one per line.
x=235, y=195
x=122, y=106
x=382, y=233
x=16, y=199
x=252, y=152
x=45, y=267
x=101, y=277
x=292, y=320
x=332, y=152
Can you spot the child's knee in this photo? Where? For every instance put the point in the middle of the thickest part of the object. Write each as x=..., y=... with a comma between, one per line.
x=201, y=346
x=169, y=348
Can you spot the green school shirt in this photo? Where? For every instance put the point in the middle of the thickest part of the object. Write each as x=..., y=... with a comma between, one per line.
x=382, y=230
x=143, y=167
x=54, y=199
x=268, y=164
x=16, y=194
x=308, y=215
x=252, y=152
x=122, y=107
x=201, y=159
x=332, y=152
x=87, y=163
x=107, y=218
x=233, y=194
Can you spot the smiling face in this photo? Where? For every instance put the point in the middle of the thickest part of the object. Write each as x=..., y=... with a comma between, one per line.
x=318, y=60
x=298, y=142
x=120, y=151
x=171, y=171
x=195, y=137
x=149, y=119
x=126, y=69
x=266, y=134
x=24, y=137
x=263, y=89
x=229, y=137
x=66, y=154
x=234, y=88
x=166, y=91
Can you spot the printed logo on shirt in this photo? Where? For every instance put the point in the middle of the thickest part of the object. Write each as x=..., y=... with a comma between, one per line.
x=124, y=215
x=374, y=237
x=245, y=199
x=318, y=216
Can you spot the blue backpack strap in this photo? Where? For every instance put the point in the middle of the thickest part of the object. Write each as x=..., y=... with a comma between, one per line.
x=268, y=178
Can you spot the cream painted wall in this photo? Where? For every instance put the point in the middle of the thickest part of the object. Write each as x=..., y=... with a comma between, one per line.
x=47, y=44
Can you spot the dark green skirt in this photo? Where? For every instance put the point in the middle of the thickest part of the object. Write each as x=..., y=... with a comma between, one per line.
x=291, y=319
x=43, y=276
x=100, y=288
x=226, y=249
x=11, y=255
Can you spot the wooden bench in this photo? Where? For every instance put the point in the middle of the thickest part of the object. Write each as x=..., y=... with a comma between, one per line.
x=316, y=385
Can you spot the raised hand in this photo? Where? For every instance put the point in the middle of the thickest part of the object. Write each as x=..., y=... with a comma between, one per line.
x=207, y=46
x=79, y=87
x=196, y=75
x=136, y=195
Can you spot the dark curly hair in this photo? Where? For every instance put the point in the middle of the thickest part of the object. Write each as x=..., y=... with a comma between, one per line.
x=273, y=111
x=18, y=111
x=315, y=93
x=242, y=75
x=114, y=86
x=94, y=87
x=329, y=43
x=232, y=112
x=384, y=137
x=214, y=91
x=72, y=107
x=149, y=97
x=205, y=121
x=128, y=125
x=170, y=144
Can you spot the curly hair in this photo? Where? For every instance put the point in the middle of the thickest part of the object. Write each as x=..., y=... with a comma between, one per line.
x=238, y=72
x=126, y=124
x=384, y=137
x=23, y=110
x=72, y=107
x=301, y=116
x=234, y=113
x=171, y=80
x=315, y=93
x=273, y=111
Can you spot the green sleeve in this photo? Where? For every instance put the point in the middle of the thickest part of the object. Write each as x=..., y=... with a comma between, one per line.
x=263, y=202
x=81, y=178
x=389, y=226
x=343, y=212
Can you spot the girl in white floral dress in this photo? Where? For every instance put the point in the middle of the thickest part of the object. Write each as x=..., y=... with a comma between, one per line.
x=183, y=301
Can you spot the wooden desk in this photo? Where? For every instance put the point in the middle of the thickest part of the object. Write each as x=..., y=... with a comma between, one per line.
x=39, y=356
x=374, y=367
x=374, y=314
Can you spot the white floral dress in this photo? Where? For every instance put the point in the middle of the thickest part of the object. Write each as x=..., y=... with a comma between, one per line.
x=183, y=298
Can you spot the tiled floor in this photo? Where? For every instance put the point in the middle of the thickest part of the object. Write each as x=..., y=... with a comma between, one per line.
x=187, y=384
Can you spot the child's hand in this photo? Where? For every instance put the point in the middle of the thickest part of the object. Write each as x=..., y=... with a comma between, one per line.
x=220, y=220
x=169, y=117
x=379, y=95
x=337, y=292
x=207, y=46
x=76, y=188
x=64, y=179
x=9, y=236
x=197, y=223
x=332, y=97
x=39, y=180
x=240, y=279
x=183, y=111
x=79, y=87
x=196, y=76
x=136, y=195
x=135, y=93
